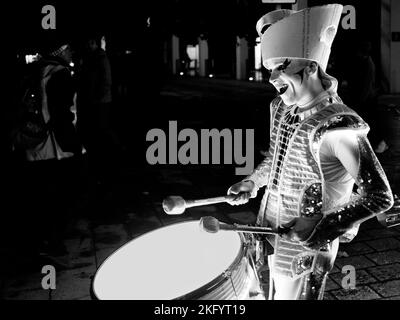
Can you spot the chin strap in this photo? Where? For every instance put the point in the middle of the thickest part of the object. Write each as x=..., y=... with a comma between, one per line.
x=375, y=198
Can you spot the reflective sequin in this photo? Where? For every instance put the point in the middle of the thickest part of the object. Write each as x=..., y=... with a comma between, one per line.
x=312, y=201
x=375, y=198
x=303, y=263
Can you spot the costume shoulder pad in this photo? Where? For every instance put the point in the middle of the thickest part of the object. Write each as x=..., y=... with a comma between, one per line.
x=338, y=117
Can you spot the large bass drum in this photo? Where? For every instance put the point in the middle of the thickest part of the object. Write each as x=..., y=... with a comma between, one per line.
x=179, y=261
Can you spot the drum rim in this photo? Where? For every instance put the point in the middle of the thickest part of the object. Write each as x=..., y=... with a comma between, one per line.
x=199, y=292
x=220, y=279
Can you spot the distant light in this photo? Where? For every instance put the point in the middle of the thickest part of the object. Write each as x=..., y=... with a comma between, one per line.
x=29, y=58
x=128, y=52
x=181, y=73
x=71, y=64
x=251, y=78
x=211, y=75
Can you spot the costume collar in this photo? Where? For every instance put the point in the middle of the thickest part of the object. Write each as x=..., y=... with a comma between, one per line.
x=324, y=99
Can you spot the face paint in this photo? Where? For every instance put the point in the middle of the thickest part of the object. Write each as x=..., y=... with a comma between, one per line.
x=287, y=77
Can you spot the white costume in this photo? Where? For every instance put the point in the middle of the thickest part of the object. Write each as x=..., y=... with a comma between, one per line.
x=316, y=156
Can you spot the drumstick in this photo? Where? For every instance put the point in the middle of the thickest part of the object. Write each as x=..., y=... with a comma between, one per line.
x=212, y=225
x=178, y=205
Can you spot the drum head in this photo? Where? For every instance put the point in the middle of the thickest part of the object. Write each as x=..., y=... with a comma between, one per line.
x=166, y=263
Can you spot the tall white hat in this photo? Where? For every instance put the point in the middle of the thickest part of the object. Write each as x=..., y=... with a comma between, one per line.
x=306, y=34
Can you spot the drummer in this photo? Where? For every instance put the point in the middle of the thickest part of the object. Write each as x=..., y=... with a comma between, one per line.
x=318, y=150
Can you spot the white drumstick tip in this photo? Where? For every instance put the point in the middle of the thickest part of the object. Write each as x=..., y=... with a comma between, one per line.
x=209, y=224
x=174, y=205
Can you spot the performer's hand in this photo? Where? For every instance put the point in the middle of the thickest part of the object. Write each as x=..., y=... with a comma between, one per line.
x=244, y=191
x=301, y=228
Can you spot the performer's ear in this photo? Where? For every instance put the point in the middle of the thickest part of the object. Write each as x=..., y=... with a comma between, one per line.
x=312, y=69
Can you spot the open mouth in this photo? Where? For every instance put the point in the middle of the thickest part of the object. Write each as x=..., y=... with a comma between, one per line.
x=283, y=89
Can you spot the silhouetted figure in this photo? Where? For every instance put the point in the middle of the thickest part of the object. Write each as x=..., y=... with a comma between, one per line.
x=47, y=173
x=94, y=103
x=94, y=95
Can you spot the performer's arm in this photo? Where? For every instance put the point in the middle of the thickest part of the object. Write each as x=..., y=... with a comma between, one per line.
x=355, y=153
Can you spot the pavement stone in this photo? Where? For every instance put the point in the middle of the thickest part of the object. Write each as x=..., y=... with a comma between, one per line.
x=73, y=284
x=358, y=262
x=371, y=224
x=334, y=270
x=76, y=245
x=28, y=294
x=81, y=252
x=360, y=293
x=103, y=254
x=386, y=272
x=384, y=257
x=387, y=289
x=355, y=248
x=382, y=233
x=86, y=297
x=392, y=298
x=384, y=244
x=362, y=277
x=362, y=236
x=331, y=284
x=135, y=226
x=25, y=286
x=329, y=296
x=342, y=254
x=75, y=261
x=110, y=235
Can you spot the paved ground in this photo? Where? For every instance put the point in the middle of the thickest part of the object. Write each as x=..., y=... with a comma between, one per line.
x=132, y=204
